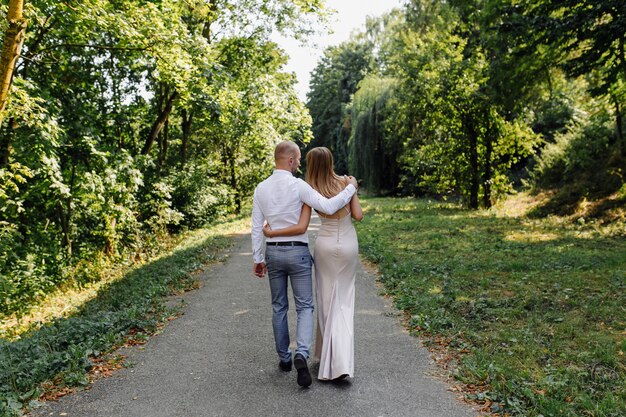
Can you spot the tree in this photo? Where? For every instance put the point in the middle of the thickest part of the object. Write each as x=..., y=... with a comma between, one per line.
x=374, y=149
x=455, y=129
x=11, y=47
x=584, y=37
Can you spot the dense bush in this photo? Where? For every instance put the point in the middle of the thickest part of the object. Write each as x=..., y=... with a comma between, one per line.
x=198, y=194
x=581, y=149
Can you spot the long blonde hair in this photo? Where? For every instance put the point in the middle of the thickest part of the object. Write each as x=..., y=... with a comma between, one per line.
x=320, y=174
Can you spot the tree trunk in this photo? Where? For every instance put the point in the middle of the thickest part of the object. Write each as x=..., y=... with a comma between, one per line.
x=120, y=138
x=157, y=127
x=206, y=29
x=618, y=113
x=11, y=47
x=549, y=79
x=159, y=141
x=159, y=96
x=229, y=158
x=186, y=128
x=5, y=141
x=233, y=184
x=620, y=128
x=33, y=47
x=487, y=172
x=6, y=137
x=65, y=216
x=474, y=169
x=164, y=138
x=5, y=150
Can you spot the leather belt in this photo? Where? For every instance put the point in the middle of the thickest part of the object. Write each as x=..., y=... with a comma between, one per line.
x=295, y=243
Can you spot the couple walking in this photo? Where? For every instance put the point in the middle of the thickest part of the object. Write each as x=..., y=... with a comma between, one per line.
x=285, y=203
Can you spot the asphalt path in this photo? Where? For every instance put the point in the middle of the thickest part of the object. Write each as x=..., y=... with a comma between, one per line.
x=218, y=359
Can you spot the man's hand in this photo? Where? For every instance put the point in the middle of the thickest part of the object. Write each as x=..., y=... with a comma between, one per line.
x=353, y=181
x=259, y=269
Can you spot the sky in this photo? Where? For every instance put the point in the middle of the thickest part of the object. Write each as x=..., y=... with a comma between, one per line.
x=350, y=16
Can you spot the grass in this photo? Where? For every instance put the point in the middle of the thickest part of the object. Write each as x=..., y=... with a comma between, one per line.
x=76, y=331
x=534, y=310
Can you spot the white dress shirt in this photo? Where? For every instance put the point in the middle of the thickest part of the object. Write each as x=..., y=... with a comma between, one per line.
x=279, y=200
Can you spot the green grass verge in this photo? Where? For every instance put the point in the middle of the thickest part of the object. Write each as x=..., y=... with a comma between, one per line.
x=535, y=308
x=61, y=351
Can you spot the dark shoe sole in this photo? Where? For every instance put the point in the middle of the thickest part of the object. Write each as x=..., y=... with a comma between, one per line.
x=304, y=377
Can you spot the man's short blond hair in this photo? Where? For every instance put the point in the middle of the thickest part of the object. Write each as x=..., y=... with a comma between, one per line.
x=285, y=149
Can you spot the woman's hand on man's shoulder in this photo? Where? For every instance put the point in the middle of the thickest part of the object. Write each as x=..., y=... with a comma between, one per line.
x=351, y=180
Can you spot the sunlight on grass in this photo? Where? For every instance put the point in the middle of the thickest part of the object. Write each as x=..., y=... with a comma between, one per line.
x=62, y=303
x=520, y=204
x=529, y=236
x=434, y=290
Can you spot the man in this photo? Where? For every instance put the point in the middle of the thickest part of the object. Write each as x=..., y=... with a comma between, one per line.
x=279, y=200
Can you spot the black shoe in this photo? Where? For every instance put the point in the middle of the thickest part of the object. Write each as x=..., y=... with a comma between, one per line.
x=304, y=377
x=285, y=366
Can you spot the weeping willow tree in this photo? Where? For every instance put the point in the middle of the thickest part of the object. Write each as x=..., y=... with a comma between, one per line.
x=373, y=148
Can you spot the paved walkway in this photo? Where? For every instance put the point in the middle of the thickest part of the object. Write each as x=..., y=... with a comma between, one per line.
x=218, y=359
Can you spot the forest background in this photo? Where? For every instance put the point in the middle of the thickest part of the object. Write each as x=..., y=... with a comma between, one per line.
x=127, y=122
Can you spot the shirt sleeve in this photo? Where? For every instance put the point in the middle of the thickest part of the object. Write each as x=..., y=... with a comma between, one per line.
x=309, y=196
x=257, y=231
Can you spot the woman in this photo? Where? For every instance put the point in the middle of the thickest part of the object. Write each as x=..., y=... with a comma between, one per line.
x=336, y=257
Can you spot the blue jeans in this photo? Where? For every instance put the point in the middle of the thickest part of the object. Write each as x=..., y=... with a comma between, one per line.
x=294, y=262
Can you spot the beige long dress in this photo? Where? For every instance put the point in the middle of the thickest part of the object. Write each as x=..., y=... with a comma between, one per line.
x=336, y=256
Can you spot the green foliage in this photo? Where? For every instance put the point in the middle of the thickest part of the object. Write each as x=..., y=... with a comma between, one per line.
x=533, y=307
x=11, y=178
x=553, y=116
x=479, y=88
x=198, y=195
x=333, y=82
x=128, y=120
x=580, y=167
x=160, y=214
x=463, y=144
x=105, y=203
x=587, y=35
x=578, y=151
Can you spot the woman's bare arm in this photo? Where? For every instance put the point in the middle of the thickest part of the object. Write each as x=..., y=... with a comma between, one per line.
x=355, y=208
x=296, y=229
